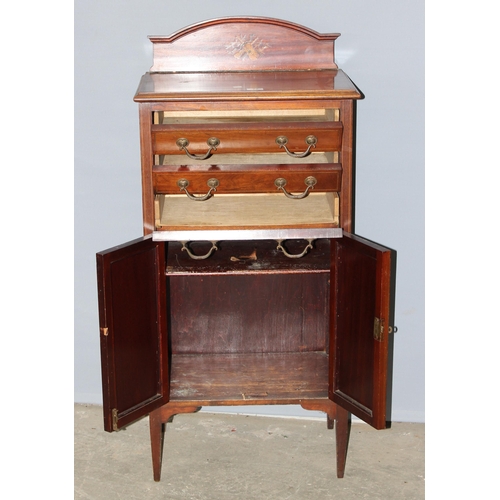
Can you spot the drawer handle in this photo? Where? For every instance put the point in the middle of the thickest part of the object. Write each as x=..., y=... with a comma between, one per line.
x=199, y=257
x=281, y=248
x=311, y=141
x=183, y=143
x=213, y=184
x=310, y=182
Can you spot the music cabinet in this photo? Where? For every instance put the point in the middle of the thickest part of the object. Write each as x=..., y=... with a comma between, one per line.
x=247, y=286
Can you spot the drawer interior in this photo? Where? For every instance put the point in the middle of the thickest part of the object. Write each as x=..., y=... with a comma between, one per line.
x=246, y=211
x=260, y=115
x=235, y=159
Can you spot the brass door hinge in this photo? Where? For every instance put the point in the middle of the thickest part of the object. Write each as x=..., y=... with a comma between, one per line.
x=105, y=331
x=114, y=414
x=378, y=329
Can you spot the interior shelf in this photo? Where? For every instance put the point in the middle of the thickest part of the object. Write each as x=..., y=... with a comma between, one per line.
x=254, y=378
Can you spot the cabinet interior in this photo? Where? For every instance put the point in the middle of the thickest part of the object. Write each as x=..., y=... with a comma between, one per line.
x=218, y=379
x=225, y=334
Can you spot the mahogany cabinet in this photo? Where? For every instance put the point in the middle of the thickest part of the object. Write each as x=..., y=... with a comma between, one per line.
x=248, y=286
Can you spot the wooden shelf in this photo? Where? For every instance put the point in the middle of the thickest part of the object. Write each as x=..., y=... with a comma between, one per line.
x=268, y=378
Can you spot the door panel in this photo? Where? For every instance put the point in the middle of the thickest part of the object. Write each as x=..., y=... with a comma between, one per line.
x=360, y=323
x=132, y=317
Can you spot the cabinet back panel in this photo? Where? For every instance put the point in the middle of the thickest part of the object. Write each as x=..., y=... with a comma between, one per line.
x=242, y=314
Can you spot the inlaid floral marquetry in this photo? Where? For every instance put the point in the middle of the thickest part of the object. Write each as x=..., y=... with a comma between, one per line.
x=245, y=46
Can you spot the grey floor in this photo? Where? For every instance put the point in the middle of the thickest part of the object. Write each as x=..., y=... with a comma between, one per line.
x=217, y=456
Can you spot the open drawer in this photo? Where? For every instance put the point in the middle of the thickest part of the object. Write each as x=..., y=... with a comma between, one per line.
x=201, y=135
x=246, y=137
x=256, y=178
x=246, y=217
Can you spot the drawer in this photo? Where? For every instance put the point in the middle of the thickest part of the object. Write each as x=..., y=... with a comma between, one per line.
x=244, y=257
x=246, y=217
x=250, y=179
x=251, y=137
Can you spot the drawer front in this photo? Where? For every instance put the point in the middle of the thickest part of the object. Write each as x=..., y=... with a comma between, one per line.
x=246, y=137
x=327, y=178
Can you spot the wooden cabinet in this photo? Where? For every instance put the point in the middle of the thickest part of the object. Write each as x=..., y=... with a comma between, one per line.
x=248, y=286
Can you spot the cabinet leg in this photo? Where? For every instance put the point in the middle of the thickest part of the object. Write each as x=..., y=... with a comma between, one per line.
x=329, y=421
x=157, y=418
x=342, y=438
x=155, y=431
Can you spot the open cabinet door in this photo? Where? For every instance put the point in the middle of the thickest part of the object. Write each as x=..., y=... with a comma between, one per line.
x=133, y=330
x=360, y=315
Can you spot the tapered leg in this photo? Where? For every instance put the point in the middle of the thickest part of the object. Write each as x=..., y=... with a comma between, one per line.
x=155, y=431
x=157, y=418
x=342, y=438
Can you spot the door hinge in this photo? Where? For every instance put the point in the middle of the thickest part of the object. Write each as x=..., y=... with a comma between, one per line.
x=105, y=331
x=378, y=329
x=114, y=414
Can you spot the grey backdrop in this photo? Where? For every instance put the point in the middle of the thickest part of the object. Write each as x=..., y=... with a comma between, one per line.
x=381, y=48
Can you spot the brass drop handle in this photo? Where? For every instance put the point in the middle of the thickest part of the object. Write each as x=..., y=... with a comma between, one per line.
x=183, y=143
x=309, y=181
x=311, y=141
x=198, y=257
x=281, y=248
x=213, y=184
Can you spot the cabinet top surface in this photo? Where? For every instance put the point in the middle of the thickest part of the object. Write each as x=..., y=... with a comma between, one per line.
x=321, y=84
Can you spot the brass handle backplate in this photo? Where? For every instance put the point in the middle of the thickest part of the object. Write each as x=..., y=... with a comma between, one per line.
x=309, y=181
x=183, y=143
x=212, y=183
x=311, y=142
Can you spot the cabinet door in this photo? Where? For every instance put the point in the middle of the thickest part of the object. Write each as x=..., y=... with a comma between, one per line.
x=132, y=318
x=360, y=310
